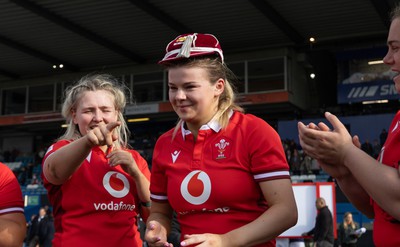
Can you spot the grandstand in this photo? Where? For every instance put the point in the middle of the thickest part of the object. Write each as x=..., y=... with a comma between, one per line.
x=33, y=192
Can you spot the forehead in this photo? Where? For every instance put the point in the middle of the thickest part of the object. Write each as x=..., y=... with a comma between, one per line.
x=187, y=74
x=100, y=97
x=394, y=31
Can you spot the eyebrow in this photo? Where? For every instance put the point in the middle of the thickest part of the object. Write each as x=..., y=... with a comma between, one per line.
x=391, y=42
x=101, y=107
x=185, y=83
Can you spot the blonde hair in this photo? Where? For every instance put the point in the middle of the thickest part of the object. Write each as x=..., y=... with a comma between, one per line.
x=216, y=69
x=345, y=225
x=95, y=82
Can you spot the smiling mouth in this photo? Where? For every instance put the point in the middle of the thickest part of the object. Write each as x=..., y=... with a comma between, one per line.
x=182, y=106
x=395, y=75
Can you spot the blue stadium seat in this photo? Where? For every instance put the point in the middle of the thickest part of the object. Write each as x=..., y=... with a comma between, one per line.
x=342, y=208
x=14, y=165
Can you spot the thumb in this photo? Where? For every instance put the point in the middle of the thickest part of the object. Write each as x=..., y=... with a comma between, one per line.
x=356, y=141
x=336, y=124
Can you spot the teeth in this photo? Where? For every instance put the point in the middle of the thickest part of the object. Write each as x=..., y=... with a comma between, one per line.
x=395, y=77
x=392, y=74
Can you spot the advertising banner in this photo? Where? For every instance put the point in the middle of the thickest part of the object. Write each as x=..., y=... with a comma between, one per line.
x=366, y=91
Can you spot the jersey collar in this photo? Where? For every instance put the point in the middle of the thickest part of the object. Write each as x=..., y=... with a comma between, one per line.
x=213, y=124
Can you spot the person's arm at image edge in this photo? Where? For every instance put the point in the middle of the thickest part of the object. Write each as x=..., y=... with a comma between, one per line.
x=380, y=182
x=356, y=194
x=321, y=143
x=12, y=229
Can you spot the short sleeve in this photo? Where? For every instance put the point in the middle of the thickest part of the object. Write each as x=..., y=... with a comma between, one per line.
x=268, y=160
x=10, y=192
x=54, y=147
x=158, y=183
x=141, y=163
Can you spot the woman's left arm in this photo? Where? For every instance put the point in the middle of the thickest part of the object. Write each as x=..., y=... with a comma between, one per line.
x=129, y=165
x=143, y=190
x=280, y=216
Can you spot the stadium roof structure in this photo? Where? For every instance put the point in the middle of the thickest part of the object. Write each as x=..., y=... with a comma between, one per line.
x=93, y=35
x=85, y=35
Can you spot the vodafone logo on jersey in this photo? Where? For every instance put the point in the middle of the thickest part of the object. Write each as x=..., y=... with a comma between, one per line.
x=116, y=184
x=196, y=187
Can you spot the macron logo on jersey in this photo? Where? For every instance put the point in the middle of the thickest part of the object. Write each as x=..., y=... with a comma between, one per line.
x=175, y=155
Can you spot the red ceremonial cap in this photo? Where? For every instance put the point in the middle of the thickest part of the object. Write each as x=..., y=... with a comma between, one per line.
x=191, y=45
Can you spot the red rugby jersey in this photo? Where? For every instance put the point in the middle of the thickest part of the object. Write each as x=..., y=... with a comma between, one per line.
x=212, y=183
x=98, y=205
x=386, y=228
x=10, y=192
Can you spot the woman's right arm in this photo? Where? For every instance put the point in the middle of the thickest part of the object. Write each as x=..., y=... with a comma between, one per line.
x=60, y=165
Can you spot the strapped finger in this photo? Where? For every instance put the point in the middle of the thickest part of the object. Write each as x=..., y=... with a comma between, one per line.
x=323, y=126
x=313, y=126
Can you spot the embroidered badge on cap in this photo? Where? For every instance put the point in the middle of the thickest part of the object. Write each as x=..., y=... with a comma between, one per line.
x=191, y=45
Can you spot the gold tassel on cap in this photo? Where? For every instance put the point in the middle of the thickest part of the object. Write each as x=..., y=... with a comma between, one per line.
x=186, y=46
